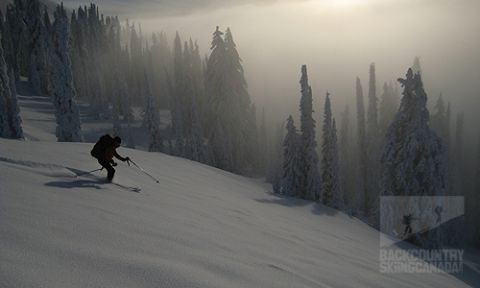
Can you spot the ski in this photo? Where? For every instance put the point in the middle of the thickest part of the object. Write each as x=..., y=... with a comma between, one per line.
x=129, y=188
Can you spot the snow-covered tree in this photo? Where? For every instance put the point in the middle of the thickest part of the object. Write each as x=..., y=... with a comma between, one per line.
x=361, y=197
x=347, y=163
x=290, y=183
x=263, y=143
x=332, y=194
x=439, y=120
x=39, y=35
x=4, y=97
x=373, y=147
x=388, y=107
x=417, y=67
x=152, y=121
x=413, y=160
x=13, y=111
x=230, y=116
x=178, y=105
x=245, y=137
x=372, y=113
x=274, y=161
x=10, y=121
x=9, y=51
x=63, y=93
x=310, y=179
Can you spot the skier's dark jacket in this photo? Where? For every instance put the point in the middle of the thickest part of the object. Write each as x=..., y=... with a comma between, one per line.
x=407, y=220
x=105, y=149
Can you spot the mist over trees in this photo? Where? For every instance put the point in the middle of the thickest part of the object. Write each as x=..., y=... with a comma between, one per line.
x=399, y=151
x=386, y=143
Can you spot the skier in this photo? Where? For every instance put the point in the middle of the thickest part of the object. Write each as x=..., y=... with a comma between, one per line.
x=407, y=221
x=104, y=151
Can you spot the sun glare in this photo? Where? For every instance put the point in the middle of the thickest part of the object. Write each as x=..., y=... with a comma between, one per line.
x=344, y=3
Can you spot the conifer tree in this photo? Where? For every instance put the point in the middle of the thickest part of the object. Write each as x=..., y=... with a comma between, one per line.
x=290, y=183
x=263, y=143
x=372, y=115
x=38, y=34
x=4, y=98
x=7, y=41
x=230, y=116
x=347, y=164
x=244, y=121
x=413, y=160
x=331, y=191
x=63, y=92
x=338, y=200
x=13, y=111
x=275, y=158
x=388, y=108
x=373, y=146
x=311, y=186
x=362, y=150
x=178, y=102
x=152, y=120
x=417, y=67
x=439, y=120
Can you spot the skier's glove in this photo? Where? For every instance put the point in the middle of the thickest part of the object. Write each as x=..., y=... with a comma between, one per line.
x=126, y=159
x=114, y=164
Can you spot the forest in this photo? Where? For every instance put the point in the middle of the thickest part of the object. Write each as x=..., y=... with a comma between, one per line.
x=390, y=143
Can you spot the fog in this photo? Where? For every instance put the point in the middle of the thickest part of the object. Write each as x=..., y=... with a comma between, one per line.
x=337, y=39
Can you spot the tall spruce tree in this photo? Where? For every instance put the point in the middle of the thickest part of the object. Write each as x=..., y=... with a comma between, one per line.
x=230, y=116
x=152, y=120
x=245, y=133
x=417, y=67
x=439, y=120
x=311, y=186
x=372, y=113
x=290, y=183
x=63, y=92
x=373, y=146
x=347, y=163
x=13, y=110
x=387, y=109
x=362, y=150
x=38, y=34
x=5, y=96
x=274, y=161
x=331, y=191
x=413, y=160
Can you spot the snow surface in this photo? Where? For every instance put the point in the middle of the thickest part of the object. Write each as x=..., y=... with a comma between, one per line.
x=198, y=227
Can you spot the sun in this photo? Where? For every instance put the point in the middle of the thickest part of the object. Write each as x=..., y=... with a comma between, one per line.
x=345, y=3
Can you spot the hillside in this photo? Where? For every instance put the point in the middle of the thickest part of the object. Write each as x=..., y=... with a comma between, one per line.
x=198, y=227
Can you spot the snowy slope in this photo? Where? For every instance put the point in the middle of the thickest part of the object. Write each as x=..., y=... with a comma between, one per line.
x=199, y=227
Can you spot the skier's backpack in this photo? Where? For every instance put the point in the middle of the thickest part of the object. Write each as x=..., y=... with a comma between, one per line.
x=101, y=146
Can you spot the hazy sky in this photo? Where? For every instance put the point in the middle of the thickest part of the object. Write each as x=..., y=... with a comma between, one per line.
x=337, y=39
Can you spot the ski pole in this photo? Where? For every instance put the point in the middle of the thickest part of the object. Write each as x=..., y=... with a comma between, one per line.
x=89, y=172
x=141, y=169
